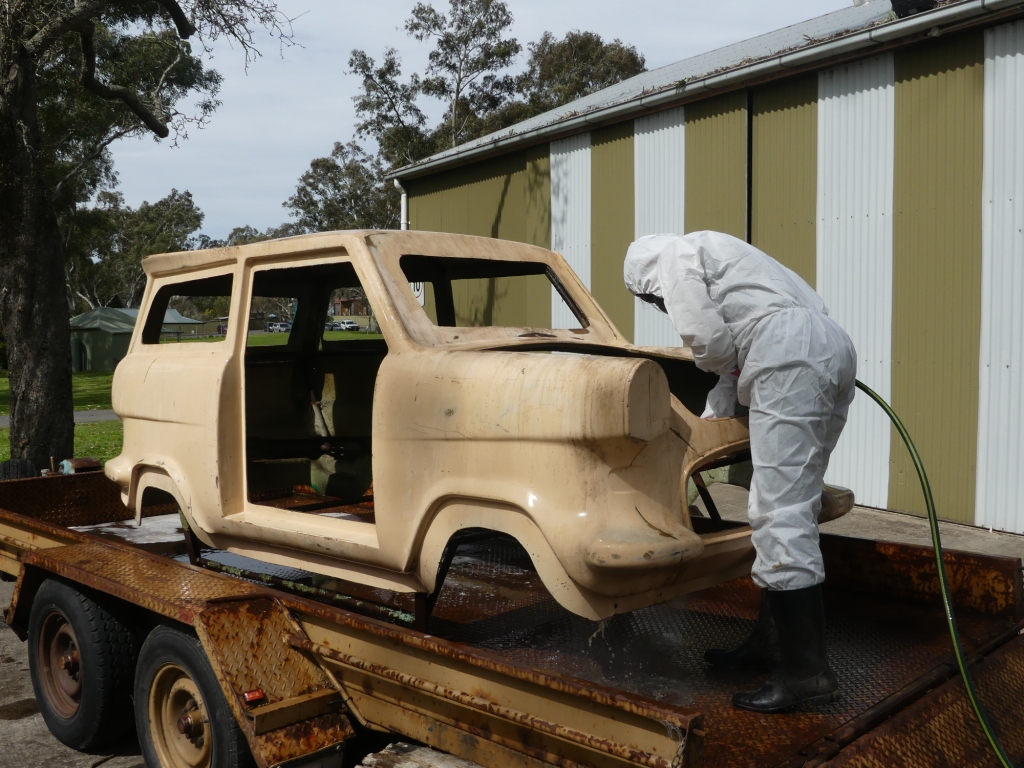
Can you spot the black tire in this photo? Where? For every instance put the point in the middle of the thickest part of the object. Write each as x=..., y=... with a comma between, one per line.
x=17, y=469
x=82, y=661
x=175, y=679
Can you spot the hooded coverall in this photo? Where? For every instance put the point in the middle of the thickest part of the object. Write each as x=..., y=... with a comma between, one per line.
x=768, y=336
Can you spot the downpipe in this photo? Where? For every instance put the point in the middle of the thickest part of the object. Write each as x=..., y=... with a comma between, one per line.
x=403, y=215
x=947, y=602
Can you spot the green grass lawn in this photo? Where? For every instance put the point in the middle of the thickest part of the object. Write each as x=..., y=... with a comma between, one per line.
x=101, y=441
x=89, y=391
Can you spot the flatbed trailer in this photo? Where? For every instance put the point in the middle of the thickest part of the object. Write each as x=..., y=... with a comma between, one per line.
x=506, y=677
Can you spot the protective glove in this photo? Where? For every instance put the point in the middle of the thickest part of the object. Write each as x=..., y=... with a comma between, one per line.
x=723, y=400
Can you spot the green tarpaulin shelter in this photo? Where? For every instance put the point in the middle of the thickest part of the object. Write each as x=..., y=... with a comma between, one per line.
x=99, y=337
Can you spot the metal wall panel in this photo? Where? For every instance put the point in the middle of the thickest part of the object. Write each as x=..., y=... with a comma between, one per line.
x=659, y=168
x=854, y=254
x=937, y=268
x=1001, y=380
x=611, y=222
x=716, y=164
x=570, y=214
x=784, y=172
x=506, y=197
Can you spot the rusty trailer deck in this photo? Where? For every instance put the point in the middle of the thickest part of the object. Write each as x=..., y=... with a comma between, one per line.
x=507, y=677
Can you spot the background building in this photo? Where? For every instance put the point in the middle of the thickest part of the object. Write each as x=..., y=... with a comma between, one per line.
x=99, y=339
x=880, y=158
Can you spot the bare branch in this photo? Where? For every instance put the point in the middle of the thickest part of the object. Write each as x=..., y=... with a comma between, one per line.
x=185, y=27
x=115, y=92
x=96, y=152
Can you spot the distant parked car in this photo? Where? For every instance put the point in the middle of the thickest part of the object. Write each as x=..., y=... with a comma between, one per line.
x=279, y=327
x=349, y=325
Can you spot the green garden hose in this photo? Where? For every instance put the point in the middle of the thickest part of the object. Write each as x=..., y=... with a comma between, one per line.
x=933, y=522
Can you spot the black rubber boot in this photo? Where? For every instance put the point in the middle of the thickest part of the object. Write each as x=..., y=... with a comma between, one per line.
x=758, y=653
x=803, y=676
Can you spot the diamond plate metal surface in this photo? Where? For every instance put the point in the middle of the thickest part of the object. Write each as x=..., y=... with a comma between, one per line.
x=940, y=729
x=172, y=589
x=876, y=648
x=245, y=640
x=88, y=498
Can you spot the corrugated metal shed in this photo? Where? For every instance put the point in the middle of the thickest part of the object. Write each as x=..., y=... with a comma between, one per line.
x=854, y=253
x=612, y=224
x=1000, y=407
x=936, y=322
x=659, y=171
x=570, y=215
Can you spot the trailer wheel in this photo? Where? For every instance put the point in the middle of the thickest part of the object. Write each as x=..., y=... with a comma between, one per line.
x=181, y=715
x=81, y=660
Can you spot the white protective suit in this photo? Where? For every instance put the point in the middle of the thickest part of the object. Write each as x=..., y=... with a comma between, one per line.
x=768, y=335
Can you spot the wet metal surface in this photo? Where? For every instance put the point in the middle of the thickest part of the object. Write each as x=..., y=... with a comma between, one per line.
x=877, y=648
x=940, y=729
x=887, y=636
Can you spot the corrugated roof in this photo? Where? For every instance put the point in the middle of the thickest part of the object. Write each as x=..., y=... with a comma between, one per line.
x=796, y=36
x=848, y=29
x=103, y=319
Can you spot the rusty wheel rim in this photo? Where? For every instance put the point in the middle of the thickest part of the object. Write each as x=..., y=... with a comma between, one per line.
x=60, y=669
x=178, y=722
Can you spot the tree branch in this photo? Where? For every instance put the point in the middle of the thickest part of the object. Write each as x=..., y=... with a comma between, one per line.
x=81, y=13
x=97, y=151
x=185, y=27
x=115, y=92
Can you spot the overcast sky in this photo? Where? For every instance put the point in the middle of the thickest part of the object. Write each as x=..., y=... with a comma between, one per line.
x=292, y=107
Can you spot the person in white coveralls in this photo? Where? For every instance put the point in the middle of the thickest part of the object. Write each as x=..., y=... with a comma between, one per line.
x=768, y=336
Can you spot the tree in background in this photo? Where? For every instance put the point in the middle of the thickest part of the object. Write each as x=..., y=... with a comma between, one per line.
x=344, y=191
x=467, y=63
x=560, y=71
x=76, y=75
x=468, y=71
x=104, y=268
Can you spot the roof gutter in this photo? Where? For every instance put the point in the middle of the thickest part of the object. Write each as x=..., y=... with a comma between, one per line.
x=869, y=38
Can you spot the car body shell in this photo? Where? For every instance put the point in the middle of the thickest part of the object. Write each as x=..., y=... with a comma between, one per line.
x=582, y=456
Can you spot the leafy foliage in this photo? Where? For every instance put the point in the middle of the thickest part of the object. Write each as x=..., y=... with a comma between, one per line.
x=467, y=63
x=344, y=191
x=560, y=71
x=105, y=264
x=469, y=72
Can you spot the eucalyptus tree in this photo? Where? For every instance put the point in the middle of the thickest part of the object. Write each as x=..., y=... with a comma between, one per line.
x=75, y=76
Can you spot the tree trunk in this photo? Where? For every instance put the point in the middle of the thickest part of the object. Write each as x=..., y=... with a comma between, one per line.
x=33, y=302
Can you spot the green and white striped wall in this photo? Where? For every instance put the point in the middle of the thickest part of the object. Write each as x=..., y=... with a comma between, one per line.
x=894, y=185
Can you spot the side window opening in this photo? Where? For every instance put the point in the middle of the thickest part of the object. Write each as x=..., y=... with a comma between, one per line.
x=193, y=310
x=309, y=392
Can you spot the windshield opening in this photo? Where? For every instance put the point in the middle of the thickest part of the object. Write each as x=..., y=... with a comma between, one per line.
x=490, y=293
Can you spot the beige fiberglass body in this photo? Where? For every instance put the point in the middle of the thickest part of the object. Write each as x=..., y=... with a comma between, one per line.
x=571, y=440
